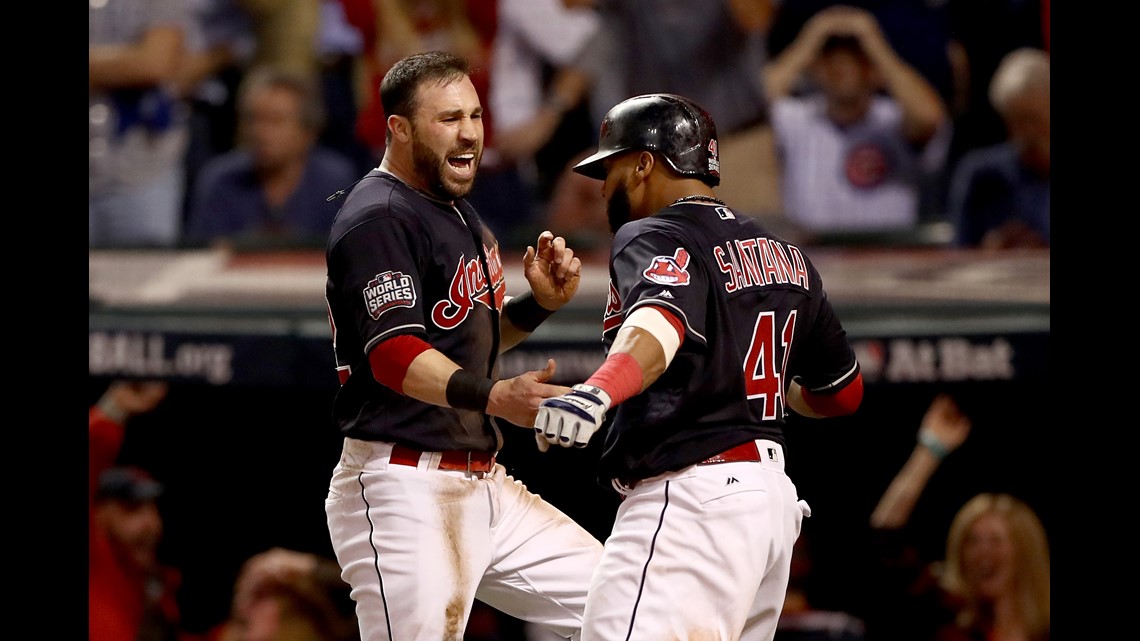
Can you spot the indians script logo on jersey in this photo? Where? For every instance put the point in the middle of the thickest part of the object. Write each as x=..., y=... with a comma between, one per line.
x=469, y=286
x=669, y=270
x=613, y=315
x=387, y=291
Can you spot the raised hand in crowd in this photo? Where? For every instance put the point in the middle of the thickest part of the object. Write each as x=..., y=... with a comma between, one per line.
x=944, y=428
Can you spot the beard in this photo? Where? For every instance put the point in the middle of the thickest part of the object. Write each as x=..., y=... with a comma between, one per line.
x=618, y=208
x=430, y=167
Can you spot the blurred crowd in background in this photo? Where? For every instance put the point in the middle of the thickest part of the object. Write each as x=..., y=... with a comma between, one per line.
x=985, y=575
x=884, y=121
x=235, y=123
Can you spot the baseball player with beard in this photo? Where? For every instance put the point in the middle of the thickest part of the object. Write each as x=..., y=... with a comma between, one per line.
x=422, y=518
x=714, y=327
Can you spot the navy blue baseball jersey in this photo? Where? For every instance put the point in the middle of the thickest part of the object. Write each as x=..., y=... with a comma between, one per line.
x=402, y=262
x=755, y=314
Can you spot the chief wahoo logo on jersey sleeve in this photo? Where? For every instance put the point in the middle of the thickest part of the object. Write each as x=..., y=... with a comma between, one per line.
x=669, y=270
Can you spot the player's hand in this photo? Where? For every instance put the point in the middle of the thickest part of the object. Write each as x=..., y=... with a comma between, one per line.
x=516, y=399
x=571, y=419
x=552, y=270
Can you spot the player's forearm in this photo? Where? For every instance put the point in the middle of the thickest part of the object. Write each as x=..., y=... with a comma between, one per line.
x=521, y=316
x=410, y=366
x=509, y=335
x=427, y=377
x=642, y=350
x=645, y=349
x=795, y=400
x=637, y=358
x=826, y=403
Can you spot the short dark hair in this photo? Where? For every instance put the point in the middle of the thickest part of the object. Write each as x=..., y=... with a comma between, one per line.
x=302, y=85
x=400, y=84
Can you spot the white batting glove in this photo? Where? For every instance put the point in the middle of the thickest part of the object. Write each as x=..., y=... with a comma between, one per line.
x=571, y=419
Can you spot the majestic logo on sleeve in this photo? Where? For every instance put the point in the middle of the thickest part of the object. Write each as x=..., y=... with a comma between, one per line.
x=387, y=291
x=468, y=286
x=669, y=270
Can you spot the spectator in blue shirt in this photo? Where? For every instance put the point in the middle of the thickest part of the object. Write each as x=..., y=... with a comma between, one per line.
x=999, y=195
x=272, y=189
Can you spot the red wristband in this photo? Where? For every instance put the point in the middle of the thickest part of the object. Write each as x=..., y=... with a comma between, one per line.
x=620, y=376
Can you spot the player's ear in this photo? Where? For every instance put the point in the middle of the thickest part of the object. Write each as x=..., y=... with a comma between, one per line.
x=642, y=168
x=400, y=127
x=645, y=162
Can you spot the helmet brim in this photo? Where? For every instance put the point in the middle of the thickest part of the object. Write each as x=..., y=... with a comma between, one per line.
x=592, y=166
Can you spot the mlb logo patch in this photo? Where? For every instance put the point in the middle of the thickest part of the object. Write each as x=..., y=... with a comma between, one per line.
x=773, y=455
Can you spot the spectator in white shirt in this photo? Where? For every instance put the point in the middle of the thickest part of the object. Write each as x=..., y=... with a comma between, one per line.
x=860, y=147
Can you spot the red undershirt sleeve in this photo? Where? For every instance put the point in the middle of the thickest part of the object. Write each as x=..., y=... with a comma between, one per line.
x=841, y=403
x=390, y=359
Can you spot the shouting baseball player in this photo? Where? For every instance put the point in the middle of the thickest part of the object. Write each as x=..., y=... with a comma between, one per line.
x=421, y=517
x=714, y=327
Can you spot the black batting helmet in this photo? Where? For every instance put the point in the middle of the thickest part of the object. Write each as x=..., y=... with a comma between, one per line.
x=673, y=126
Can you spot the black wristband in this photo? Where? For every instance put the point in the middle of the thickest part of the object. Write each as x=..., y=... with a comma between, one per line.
x=525, y=313
x=466, y=391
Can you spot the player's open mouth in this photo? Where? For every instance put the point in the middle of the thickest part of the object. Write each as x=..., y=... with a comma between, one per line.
x=463, y=163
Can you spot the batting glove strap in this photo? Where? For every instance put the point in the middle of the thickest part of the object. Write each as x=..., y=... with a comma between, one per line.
x=580, y=408
x=571, y=419
x=593, y=394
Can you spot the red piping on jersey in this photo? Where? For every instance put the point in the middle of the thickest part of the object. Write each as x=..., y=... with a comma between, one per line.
x=673, y=320
x=391, y=359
